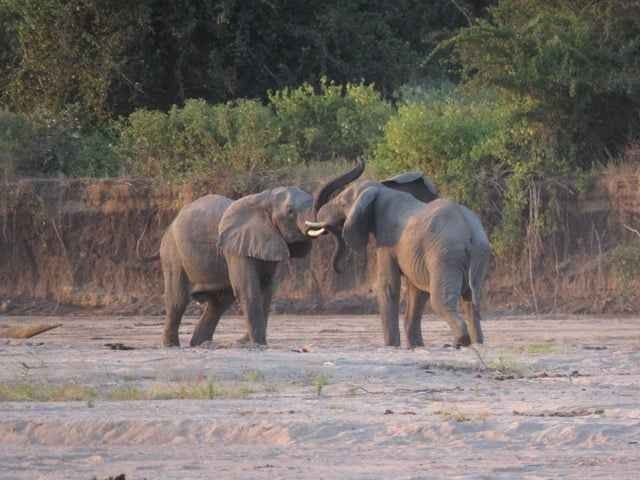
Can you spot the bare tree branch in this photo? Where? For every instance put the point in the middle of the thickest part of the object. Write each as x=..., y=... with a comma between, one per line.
x=463, y=11
x=633, y=230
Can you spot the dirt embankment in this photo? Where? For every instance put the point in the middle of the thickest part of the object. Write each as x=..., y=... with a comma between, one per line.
x=73, y=242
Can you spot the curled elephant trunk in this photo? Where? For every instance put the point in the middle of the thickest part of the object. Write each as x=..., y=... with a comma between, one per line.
x=323, y=195
x=338, y=252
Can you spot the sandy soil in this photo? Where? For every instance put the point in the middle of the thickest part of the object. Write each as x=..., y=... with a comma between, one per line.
x=560, y=399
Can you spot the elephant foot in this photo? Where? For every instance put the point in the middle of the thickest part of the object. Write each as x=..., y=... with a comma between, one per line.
x=463, y=341
x=170, y=342
x=414, y=342
x=197, y=341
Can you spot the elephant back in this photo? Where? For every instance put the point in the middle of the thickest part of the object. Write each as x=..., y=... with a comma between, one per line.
x=195, y=231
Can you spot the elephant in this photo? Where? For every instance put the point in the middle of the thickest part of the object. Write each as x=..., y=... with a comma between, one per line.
x=440, y=247
x=217, y=250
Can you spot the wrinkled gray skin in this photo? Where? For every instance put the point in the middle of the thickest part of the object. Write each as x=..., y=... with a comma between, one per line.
x=217, y=250
x=439, y=247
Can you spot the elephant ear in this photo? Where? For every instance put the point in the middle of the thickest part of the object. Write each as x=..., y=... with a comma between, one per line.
x=360, y=220
x=415, y=183
x=246, y=230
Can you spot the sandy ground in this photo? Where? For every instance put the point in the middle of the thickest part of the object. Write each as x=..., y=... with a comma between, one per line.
x=560, y=399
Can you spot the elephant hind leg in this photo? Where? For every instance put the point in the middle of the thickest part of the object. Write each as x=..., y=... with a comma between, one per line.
x=416, y=300
x=471, y=313
x=217, y=304
x=176, y=299
x=446, y=285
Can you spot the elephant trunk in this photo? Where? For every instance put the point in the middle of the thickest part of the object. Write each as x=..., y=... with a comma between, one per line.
x=323, y=195
x=338, y=252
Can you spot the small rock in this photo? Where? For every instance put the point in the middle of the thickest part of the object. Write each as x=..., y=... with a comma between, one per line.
x=5, y=306
x=388, y=412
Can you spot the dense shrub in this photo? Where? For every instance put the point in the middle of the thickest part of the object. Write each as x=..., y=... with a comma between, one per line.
x=578, y=61
x=200, y=138
x=481, y=150
x=15, y=135
x=43, y=143
x=457, y=140
x=337, y=121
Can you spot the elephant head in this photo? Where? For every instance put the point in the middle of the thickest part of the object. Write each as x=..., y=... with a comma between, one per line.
x=346, y=215
x=342, y=214
x=267, y=226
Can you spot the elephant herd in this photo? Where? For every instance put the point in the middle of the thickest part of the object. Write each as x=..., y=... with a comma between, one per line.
x=217, y=251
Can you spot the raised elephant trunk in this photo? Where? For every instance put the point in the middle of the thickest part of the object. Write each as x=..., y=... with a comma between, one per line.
x=323, y=195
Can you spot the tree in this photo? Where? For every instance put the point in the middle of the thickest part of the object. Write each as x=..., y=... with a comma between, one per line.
x=578, y=61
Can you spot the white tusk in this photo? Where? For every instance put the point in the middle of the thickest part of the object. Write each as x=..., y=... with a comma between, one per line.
x=313, y=224
x=316, y=233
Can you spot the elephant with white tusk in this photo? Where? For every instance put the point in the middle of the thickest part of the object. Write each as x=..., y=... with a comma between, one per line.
x=439, y=246
x=218, y=250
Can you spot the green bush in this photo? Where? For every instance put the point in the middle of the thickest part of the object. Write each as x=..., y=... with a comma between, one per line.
x=15, y=149
x=577, y=60
x=46, y=143
x=339, y=121
x=625, y=260
x=200, y=138
x=457, y=140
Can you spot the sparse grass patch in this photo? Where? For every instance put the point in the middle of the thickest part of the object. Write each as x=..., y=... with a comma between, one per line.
x=253, y=376
x=320, y=381
x=506, y=366
x=456, y=415
x=42, y=392
x=541, y=348
x=199, y=390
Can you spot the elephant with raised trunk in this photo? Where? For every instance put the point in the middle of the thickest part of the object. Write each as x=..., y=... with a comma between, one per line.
x=440, y=247
x=217, y=250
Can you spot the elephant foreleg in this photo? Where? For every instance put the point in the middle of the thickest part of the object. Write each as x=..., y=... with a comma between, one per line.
x=267, y=295
x=389, y=297
x=216, y=305
x=416, y=300
x=245, y=279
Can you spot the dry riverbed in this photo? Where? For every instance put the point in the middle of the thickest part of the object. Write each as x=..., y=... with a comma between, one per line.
x=547, y=397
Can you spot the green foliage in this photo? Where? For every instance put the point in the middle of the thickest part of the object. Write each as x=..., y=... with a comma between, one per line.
x=119, y=56
x=47, y=143
x=577, y=61
x=320, y=381
x=67, y=53
x=455, y=139
x=15, y=133
x=625, y=260
x=200, y=139
x=337, y=121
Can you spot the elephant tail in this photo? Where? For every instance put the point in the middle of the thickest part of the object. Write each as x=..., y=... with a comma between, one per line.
x=480, y=255
x=141, y=257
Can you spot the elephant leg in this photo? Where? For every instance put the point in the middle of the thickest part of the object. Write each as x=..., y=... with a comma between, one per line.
x=446, y=284
x=267, y=295
x=389, y=297
x=217, y=304
x=245, y=278
x=176, y=299
x=416, y=300
x=471, y=313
